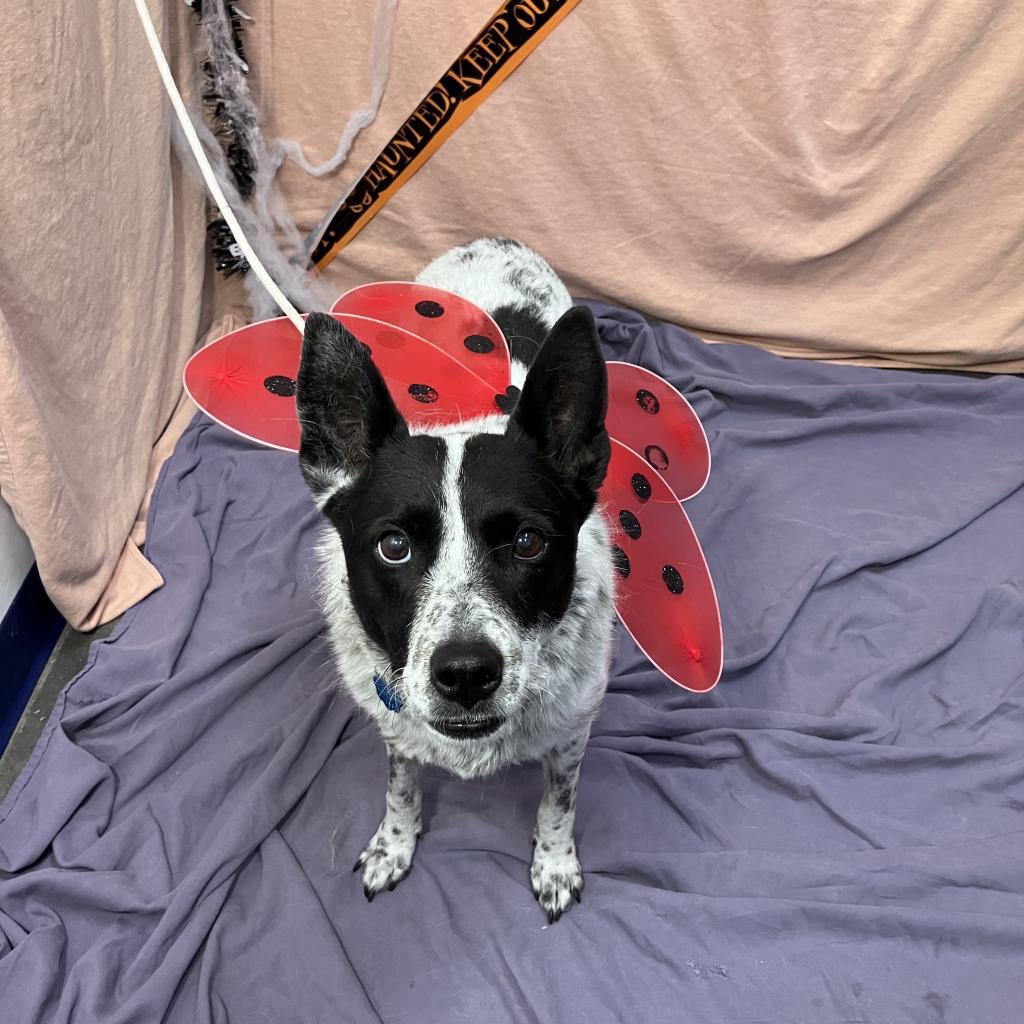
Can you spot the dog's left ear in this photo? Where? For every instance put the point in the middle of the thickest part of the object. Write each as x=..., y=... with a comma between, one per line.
x=565, y=399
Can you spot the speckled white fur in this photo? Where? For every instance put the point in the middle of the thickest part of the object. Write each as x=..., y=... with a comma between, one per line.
x=496, y=272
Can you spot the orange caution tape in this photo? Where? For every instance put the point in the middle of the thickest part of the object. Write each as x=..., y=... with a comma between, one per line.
x=510, y=36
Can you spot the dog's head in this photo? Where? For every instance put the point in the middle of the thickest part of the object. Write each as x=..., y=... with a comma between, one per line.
x=460, y=546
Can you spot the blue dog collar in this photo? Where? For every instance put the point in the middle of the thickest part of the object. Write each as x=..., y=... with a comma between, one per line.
x=388, y=693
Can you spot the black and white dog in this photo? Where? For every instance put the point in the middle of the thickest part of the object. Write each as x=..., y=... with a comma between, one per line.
x=469, y=566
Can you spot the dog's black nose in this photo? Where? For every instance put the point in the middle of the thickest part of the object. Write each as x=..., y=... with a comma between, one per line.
x=466, y=671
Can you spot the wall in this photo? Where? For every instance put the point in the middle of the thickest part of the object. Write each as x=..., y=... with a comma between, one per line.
x=15, y=558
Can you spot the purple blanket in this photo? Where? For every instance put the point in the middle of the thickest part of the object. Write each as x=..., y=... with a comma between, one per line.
x=834, y=834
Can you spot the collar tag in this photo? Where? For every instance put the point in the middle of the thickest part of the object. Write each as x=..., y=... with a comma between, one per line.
x=388, y=693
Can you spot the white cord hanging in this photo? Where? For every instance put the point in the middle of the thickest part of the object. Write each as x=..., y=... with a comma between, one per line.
x=207, y=171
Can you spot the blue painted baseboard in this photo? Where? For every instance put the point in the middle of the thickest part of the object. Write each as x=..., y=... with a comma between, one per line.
x=28, y=634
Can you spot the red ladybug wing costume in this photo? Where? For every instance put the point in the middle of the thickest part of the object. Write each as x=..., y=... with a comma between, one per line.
x=445, y=361
x=663, y=594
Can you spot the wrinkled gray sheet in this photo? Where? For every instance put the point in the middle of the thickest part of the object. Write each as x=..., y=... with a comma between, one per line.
x=834, y=834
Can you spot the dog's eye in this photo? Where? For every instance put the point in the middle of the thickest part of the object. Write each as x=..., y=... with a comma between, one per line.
x=394, y=548
x=529, y=545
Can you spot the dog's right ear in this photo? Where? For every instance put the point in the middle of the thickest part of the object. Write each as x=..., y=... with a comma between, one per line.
x=345, y=409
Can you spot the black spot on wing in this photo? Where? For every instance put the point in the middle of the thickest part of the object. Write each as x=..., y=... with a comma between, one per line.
x=641, y=486
x=283, y=387
x=673, y=581
x=478, y=343
x=648, y=401
x=630, y=524
x=656, y=456
x=423, y=393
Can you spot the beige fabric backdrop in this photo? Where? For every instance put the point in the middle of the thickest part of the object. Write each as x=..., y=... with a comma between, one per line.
x=828, y=178
x=101, y=271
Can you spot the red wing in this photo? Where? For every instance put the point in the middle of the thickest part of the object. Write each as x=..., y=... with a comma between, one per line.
x=246, y=382
x=664, y=594
x=429, y=386
x=465, y=333
x=246, y=379
x=647, y=414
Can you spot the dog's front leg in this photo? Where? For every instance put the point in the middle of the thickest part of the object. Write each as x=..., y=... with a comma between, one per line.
x=555, y=875
x=388, y=856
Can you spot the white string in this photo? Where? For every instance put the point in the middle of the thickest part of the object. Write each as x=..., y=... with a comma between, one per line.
x=380, y=53
x=207, y=171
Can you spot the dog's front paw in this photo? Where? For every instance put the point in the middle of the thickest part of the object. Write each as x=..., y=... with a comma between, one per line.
x=556, y=878
x=387, y=859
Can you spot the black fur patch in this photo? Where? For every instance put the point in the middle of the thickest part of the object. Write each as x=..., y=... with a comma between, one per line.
x=506, y=484
x=400, y=493
x=563, y=797
x=523, y=329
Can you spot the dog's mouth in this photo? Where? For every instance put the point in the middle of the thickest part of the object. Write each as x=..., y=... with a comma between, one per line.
x=466, y=730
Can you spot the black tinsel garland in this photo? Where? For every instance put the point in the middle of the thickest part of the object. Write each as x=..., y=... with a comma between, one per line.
x=224, y=250
x=227, y=256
